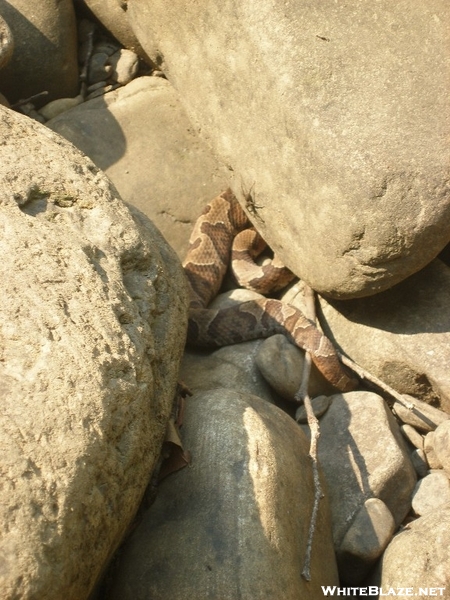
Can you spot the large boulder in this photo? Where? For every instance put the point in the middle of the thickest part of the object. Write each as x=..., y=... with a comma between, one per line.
x=45, y=49
x=93, y=320
x=333, y=119
x=234, y=524
x=418, y=558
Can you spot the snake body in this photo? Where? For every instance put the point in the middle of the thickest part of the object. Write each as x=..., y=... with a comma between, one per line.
x=205, y=265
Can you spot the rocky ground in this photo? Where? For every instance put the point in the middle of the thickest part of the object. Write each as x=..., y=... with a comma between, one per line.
x=95, y=303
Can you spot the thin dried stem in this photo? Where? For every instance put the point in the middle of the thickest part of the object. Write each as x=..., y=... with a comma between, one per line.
x=302, y=395
x=375, y=381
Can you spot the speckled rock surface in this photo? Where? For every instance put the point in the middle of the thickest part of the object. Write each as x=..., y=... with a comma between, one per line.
x=93, y=320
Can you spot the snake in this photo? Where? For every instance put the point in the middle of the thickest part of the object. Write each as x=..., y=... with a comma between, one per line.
x=222, y=230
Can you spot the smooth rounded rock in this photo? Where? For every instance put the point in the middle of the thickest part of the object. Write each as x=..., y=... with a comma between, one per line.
x=281, y=364
x=432, y=458
x=232, y=367
x=333, y=119
x=233, y=524
x=412, y=435
x=418, y=557
x=441, y=445
x=124, y=66
x=56, y=107
x=367, y=537
x=420, y=463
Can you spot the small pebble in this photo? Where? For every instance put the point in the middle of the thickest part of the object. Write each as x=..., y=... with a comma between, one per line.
x=365, y=540
x=412, y=436
x=423, y=417
x=428, y=447
x=56, y=107
x=99, y=69
x=441, y=445
x=29, y=110
x=124, y=66
x=419, y=461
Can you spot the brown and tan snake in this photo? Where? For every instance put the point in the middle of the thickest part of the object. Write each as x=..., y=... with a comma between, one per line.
x=205, y=265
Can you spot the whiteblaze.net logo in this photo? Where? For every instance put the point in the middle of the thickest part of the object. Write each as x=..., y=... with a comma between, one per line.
x=373, y=590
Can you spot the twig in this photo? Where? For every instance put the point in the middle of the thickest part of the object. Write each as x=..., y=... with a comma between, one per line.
x=375, y=381
x=89, y=33
x=302, y=395
x=23, y=101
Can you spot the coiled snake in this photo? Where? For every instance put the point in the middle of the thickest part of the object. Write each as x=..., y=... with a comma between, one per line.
x=205, y=265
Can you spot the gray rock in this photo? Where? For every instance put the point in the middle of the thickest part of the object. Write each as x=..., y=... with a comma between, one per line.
x=412, y=436
x=235, y=523
x=430, y=452
x=45, y=52
x=93, y=318
x=281, y=364
x=339, y=151
x=99, y=67
x=57, y=107
x=441, y=445
x=320, y=405
x=365, y=540
x=140, y=136
x=431, y=493
x=6, y=43
x=421, y=416
x=420, y=463
x=230, y=367
x=402, y=335
x=363, y=455
x=418, y=556
x=124, y=64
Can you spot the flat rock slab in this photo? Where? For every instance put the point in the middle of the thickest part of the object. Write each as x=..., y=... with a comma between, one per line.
x=333, y=119
x=141, y=137
x=233, y=524
x=401, y=335
x=93, y=322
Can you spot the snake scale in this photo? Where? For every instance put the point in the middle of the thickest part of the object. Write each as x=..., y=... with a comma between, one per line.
x=205, y=265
